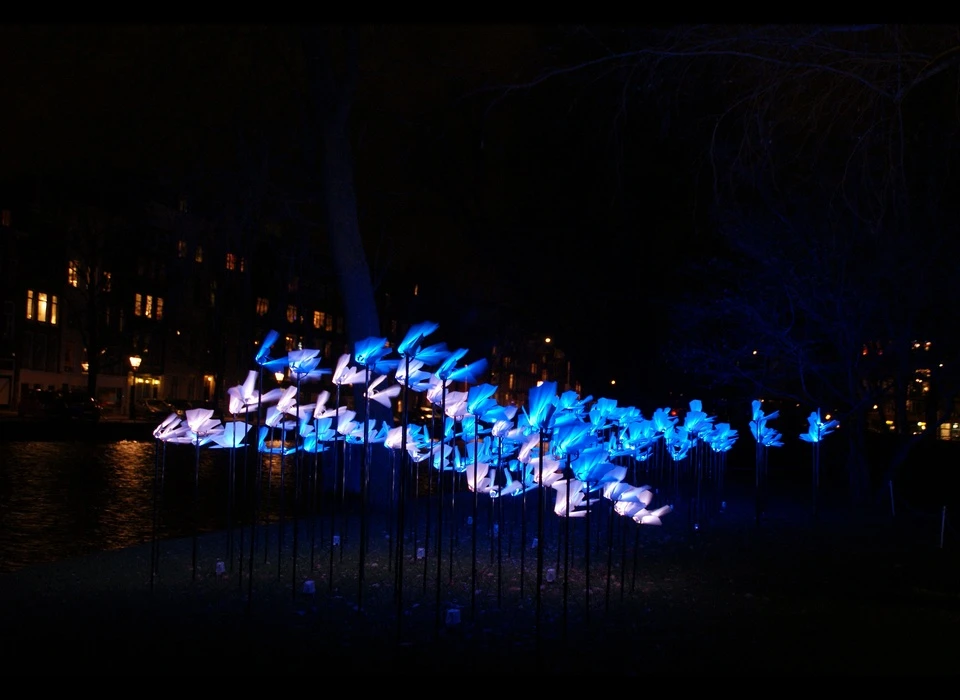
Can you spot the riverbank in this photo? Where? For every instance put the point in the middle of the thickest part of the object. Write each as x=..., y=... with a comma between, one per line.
x=831, y=594
x=107, y=429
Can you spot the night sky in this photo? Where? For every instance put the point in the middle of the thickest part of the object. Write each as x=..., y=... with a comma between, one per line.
x=561, y=198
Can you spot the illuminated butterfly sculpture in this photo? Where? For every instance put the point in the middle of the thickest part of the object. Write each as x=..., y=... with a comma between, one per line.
x=817, y=430
x=576, y=453
x=765, y=437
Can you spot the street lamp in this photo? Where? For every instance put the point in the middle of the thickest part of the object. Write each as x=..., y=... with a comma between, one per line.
x=135, y=361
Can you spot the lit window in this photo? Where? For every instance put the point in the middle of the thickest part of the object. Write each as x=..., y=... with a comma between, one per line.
x=73, y=273
x=291, y=313
x=106, y=280
x=289, y=342
x=262, y=306
x=181, y=249
x=231, y=261
x=510, y=381
x=159, y=314
x=41, y=307
x=148, y=309
x=533, y=368
x=328, y=323
x=137, y=302
x=198, y=257
x=243, y=265
x=317, y=319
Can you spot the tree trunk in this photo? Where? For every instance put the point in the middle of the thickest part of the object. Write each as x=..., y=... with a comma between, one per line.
x=333, y=101
x=349, y=257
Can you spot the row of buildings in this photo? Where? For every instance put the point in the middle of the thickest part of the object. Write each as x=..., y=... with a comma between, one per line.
x=128, y=293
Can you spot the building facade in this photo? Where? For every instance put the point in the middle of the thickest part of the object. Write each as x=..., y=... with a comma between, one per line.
x=140, y=295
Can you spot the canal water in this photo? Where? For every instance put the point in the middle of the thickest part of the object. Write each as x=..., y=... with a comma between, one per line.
x=71, y=498
x=67, y=499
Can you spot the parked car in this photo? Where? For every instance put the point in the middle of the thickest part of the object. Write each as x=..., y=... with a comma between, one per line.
x=42, y=403
x=80, y=405
x=58, y=405
x=153, y=408
x=181, y=406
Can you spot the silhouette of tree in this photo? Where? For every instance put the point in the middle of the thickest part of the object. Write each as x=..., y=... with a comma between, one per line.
x=816, y=157
x=94, y=234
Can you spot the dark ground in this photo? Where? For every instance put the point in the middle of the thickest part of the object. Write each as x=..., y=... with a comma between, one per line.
x=839, y=594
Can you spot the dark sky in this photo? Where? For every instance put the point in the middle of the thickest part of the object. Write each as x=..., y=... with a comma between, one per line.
x=533, y=191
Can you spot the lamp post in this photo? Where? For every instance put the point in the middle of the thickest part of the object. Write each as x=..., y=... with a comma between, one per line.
x=135, y=361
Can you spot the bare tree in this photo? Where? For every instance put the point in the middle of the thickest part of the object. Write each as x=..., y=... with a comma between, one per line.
x=92, y=233
x=825, y=154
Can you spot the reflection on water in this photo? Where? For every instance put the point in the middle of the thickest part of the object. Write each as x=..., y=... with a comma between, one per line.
x=66, y=499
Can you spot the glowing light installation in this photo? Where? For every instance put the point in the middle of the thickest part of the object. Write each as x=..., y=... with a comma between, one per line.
x=231, y=439
x=447, y=373
x=817, y=429
x=558, y=444
x=411, y=376
x=370, y=354
x=721, y=438
x=168, y=429
x=343, y=375
x=303, y=366
x=202, y=427
x=697, y=425
x=538, y=420
x=263, y=360
x=481, y=407
x=765, y=437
